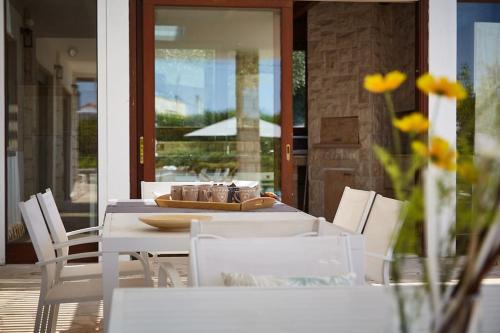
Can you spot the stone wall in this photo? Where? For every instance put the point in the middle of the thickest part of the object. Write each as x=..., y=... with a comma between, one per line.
x=347, y=41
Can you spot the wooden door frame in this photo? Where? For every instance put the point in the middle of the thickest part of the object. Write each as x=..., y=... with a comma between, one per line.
x=422, y=51
x=422, y=67
x=142, y=123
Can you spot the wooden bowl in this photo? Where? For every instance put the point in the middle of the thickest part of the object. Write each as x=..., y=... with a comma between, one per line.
x=173, y=221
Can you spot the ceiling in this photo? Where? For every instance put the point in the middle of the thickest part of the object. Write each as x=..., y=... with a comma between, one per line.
x=223, y=29
x=60, y=18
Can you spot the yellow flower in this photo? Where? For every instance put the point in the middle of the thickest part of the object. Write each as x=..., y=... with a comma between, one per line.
x=420, y=148
x=441, y=86
x=468, y=171
x=415, y=123
x=440, y=153
x=377, y=83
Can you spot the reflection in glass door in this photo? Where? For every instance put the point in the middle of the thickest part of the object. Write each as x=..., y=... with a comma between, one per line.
x=51, y=113
x=217, y=95
x=478, y=68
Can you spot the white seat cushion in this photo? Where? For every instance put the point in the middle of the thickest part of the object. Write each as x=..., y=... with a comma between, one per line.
x=94, y=270
x=84, y=291
x=266, y=281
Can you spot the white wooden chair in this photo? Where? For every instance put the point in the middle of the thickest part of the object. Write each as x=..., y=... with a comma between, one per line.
x=284, y=257
x=353, y=210
x=62, y=244
x=241, y=229
x=53, y=291
x=383, y=222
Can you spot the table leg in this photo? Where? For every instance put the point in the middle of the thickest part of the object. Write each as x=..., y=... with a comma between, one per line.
x=109, y=282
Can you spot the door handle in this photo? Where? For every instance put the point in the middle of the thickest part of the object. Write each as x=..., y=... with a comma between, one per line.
x=288, y=149
x=141, y=150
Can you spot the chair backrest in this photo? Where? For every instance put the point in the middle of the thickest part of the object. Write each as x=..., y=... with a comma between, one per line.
x=242, y=229
x=54, y=221
x=283, y=257
x=39, y=234
x=150, y=190
x=384, y=220
x=353, y=209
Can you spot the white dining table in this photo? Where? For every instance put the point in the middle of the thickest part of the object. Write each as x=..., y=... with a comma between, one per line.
x=124, y=232
x=264, y=310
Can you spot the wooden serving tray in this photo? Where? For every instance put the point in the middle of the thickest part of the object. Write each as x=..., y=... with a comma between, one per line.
x=252, y=204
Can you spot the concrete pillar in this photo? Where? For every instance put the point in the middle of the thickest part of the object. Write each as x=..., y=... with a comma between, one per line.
x=247, y=111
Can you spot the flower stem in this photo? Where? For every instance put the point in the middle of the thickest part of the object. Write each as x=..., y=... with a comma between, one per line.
x=392, y=113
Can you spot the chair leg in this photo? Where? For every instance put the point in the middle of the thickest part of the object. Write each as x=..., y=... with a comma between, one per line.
x=53, y=313
x=38, y=318
x=386, y=273
x=148, y=279
x=45, y=316
x=162, y=278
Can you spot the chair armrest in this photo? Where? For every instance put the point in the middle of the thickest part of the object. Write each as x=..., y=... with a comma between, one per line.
x=83, y=255
x=378, y=256
x=167, y=270
x=78, y=241
x=70, y=257
x=81, y=231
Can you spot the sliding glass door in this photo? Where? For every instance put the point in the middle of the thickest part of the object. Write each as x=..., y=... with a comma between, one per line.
x=213, y=95
x=478, y=68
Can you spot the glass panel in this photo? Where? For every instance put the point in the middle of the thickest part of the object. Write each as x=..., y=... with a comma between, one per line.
x=51, y=62
x=478, y=62
x=217, y=95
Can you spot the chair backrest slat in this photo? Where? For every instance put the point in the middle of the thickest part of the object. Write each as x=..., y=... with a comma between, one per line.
x=283, y=257
x=39, y=234
x=242, y=229
x=54, y=221
x=383, y=222
x=353, y=209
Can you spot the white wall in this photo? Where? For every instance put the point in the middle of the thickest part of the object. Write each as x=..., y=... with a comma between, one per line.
x=2, y=137
x=113, y=101
x=442, y=61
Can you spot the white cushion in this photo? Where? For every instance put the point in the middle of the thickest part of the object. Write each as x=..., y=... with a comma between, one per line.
x=250, y=280
x=84, y=291
x=94, y=270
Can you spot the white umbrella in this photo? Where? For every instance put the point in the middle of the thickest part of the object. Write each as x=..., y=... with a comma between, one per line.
x=228, y=128
x=89, y=108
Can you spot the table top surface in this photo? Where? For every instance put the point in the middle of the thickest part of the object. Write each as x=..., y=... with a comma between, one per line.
x=125, y=232
x=126, y=225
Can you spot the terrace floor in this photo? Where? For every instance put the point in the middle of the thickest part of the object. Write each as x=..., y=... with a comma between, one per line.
x=19, y=288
